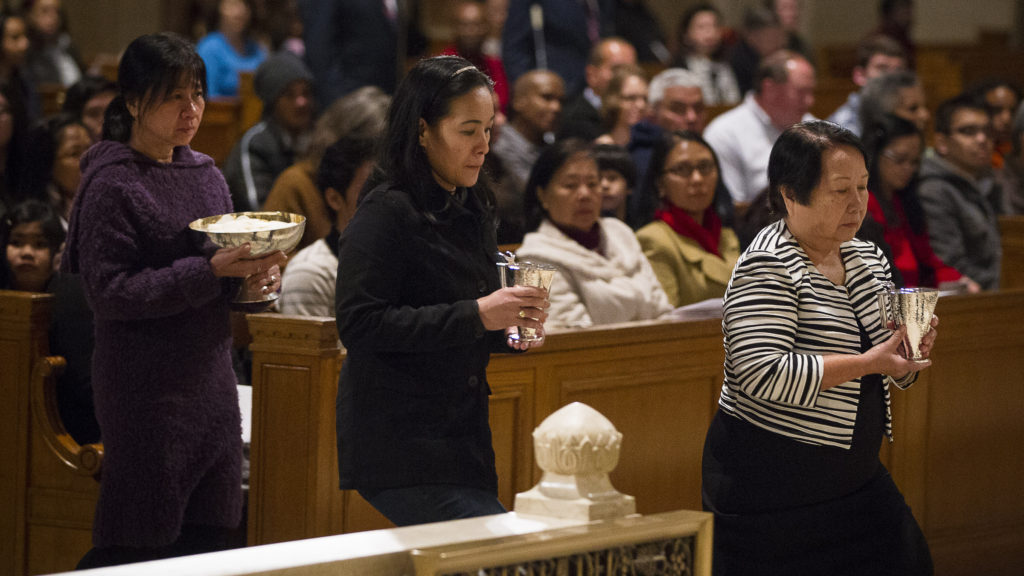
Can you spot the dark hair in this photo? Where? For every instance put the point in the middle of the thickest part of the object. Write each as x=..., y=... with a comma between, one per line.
x=33, y=35
x=213, y=17
x=950, y=106
x=981, y=89
x=682, y=46
x=362, y=111
x=759, y=18
x=878, y=44
x=339, y=163
x=551, y=159
x=1017, y=129
x=16, y=148
x=887, y=7
x=880, y=96
x=794, y=166
x=27, y=212
x=41, y=150
x=84, y=90
x=426, y=93
x=5, y=15
x=150, y=69
x=614, y=157
x=659, y=154
x=876, y=138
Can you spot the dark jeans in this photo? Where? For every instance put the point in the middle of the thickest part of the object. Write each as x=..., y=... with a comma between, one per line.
x=432, y=503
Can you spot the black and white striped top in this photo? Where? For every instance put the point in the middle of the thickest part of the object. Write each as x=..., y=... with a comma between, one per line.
x=781, y=317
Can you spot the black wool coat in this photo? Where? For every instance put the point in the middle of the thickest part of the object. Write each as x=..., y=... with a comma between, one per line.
x=412, y=395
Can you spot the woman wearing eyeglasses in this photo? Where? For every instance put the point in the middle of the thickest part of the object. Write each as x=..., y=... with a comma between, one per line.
x=691, y=252
x=894, y=148
x=603, y=276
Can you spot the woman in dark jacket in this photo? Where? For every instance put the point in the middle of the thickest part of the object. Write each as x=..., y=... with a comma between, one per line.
x=420, y=310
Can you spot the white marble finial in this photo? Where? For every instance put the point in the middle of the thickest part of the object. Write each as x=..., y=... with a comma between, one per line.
x=576, y=447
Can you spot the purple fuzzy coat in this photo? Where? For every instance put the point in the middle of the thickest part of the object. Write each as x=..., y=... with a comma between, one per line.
x=162, y=379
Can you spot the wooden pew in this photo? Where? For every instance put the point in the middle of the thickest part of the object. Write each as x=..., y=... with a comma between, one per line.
x=1011, y=232
x=47, y=483
x=51, y=98
x=956, y=457
x=252, y=106
x=225, y=120
x=220, y=129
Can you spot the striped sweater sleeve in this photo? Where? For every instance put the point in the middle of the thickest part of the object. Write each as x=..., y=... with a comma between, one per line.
x=761, y=329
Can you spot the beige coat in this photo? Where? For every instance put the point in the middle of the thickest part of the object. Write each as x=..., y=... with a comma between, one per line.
x=686, y=271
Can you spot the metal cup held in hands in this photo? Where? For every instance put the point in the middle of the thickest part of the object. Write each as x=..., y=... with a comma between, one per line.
x=910, y=307
x=526, y=274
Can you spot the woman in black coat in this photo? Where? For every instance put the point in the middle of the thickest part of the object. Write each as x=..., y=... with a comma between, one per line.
x=420, y=310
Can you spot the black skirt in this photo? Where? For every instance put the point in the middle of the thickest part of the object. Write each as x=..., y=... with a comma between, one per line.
x=788, y=507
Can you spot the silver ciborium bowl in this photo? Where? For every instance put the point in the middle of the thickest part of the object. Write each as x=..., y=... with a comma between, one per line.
x=265, y=232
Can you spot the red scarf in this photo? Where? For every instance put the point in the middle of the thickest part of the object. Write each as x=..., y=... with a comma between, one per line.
x=684, y=225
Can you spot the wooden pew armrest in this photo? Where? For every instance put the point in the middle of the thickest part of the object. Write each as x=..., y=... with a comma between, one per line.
x=86, y=460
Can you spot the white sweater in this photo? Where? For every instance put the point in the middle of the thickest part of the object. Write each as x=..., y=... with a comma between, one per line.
x=307, y=285
x=594, y=289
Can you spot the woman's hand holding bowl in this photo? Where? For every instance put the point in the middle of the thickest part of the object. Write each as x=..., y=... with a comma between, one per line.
x=262, y=275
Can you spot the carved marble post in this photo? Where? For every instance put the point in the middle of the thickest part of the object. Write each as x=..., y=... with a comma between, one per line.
x=576, y=447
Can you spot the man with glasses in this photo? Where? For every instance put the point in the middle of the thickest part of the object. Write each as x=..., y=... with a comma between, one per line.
x=959, y=194
x=675, y=103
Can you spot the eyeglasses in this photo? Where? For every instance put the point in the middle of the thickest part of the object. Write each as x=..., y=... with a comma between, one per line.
x=972, y=130
x=913, y=161
x=686, y=169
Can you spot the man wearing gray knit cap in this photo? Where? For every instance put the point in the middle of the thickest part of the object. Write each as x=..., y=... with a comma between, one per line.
x=285, y=86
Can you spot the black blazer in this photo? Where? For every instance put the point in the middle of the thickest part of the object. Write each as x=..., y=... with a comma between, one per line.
x=413, y=393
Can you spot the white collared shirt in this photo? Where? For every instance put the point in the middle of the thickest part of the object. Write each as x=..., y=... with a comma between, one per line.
x=743, y=138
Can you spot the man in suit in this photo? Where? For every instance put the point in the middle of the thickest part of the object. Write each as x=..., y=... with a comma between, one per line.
x=356, y=43
x=582, y=115
x=556, y=35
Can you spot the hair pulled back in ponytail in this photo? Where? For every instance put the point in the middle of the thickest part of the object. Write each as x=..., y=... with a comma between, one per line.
x=151, y=68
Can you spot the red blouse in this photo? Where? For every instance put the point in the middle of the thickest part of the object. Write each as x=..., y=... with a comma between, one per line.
x=910, y=251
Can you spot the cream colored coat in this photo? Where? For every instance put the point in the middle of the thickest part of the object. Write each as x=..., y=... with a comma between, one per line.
x=594, y=289
x=687, y=272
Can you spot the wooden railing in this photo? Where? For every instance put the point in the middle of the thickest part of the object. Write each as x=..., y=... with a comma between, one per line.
x=956, y=456
x=671, y=544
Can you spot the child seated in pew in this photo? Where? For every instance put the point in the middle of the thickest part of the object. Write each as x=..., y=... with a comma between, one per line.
x=32, y=235
x=617, y=174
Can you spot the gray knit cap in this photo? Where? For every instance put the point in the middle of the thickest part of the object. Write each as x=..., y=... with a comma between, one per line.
x=275, y=74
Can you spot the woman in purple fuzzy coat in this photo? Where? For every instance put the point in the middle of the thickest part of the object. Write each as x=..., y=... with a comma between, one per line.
x=162, y=380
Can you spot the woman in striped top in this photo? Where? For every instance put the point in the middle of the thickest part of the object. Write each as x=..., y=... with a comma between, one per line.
x=791, y=467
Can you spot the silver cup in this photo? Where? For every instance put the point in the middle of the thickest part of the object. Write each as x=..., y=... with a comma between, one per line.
x=910, y=307
x=526, y=274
